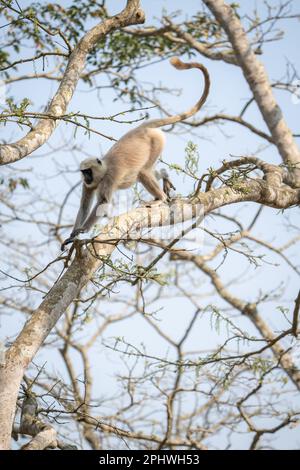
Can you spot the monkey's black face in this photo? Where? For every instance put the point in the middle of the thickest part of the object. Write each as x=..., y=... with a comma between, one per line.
x=87, y=175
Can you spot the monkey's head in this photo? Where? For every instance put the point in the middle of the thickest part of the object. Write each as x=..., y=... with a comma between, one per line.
x=92, y=170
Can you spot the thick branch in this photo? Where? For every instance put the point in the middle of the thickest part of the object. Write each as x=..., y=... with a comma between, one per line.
x=10, y=153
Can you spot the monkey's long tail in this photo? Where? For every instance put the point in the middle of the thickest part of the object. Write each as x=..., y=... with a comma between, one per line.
x=178, y=64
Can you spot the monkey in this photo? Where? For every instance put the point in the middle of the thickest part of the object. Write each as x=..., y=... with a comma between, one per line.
x=131, y=159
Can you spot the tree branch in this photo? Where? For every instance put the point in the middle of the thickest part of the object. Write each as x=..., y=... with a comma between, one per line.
x=132, y=14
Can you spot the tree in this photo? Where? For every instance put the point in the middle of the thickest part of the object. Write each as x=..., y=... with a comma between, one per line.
x=189, y=393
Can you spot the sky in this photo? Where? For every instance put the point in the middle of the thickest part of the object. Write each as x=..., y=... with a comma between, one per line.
x=228, y=94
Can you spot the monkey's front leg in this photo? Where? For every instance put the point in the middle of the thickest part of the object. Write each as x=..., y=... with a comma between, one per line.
x=100, y=209
x=85, y=204
x=104, y=196
x=91, y=220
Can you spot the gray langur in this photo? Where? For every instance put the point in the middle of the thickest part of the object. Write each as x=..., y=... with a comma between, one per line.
x=131, y=159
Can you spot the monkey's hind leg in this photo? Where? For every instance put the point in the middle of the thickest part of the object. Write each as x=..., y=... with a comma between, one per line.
x=150, y=183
